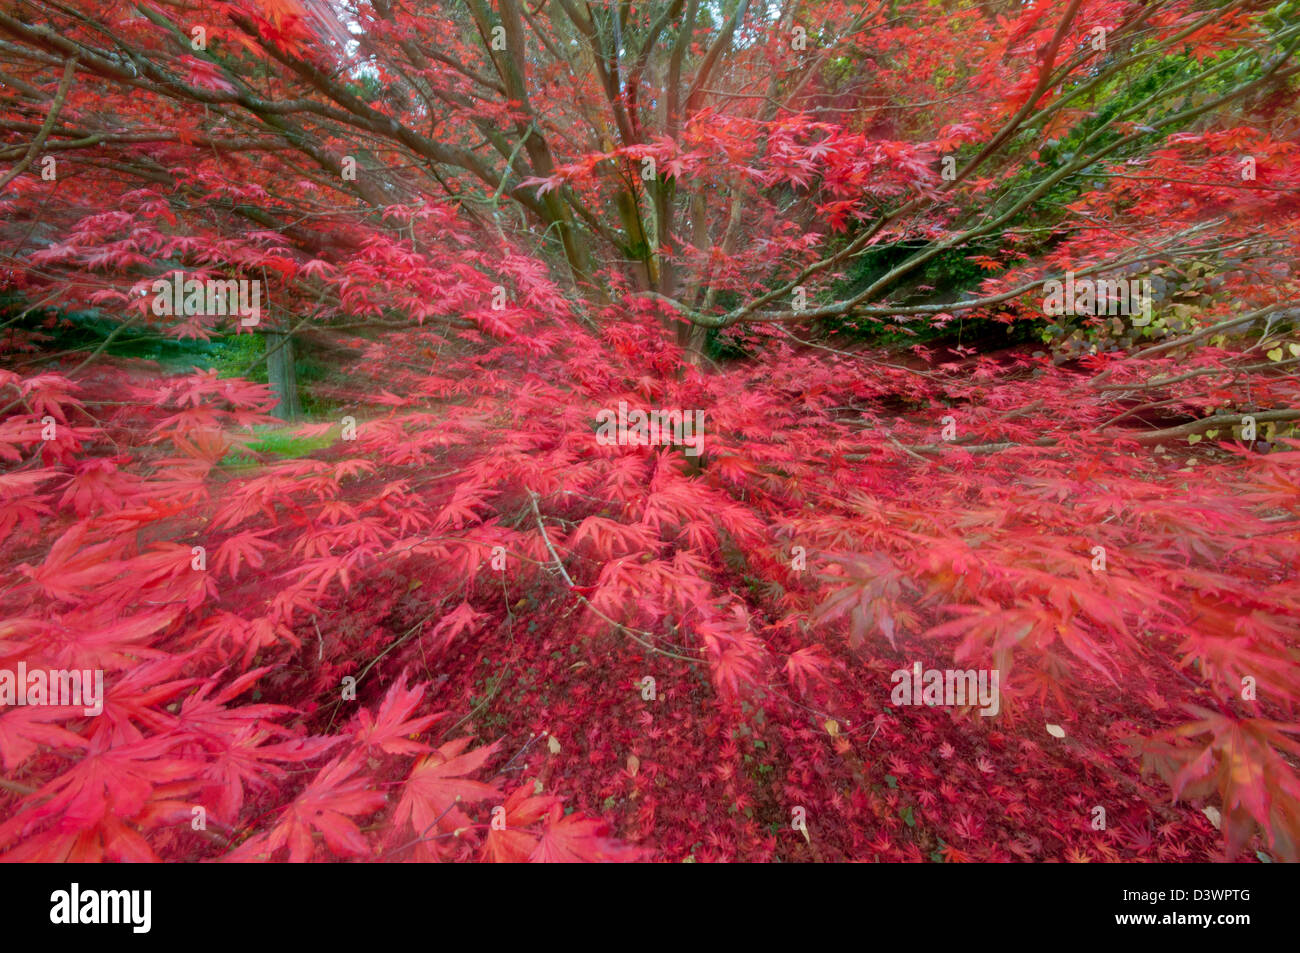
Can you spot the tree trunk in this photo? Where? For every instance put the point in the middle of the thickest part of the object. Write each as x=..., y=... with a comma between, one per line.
x=696, y=339
x=280, y=372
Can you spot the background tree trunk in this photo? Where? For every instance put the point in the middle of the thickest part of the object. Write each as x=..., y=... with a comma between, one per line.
x=281, y=375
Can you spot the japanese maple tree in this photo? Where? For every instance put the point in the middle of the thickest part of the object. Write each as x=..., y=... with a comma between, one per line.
x=462, y=627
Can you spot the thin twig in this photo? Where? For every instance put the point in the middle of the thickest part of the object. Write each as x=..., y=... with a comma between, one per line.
x=632, y=633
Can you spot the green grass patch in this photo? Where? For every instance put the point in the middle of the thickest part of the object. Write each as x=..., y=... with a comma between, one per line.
x=279, y=442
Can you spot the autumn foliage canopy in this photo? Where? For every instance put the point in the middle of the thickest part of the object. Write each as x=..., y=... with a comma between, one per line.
x=453, y=623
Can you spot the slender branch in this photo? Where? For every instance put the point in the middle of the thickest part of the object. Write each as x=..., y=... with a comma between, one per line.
x=559, y=563
x=56, y=107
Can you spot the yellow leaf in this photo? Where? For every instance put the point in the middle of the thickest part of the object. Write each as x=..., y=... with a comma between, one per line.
x=1193, y=438
x=1211, y=434
x=553, y=744
x=832, y=727
x=633, y=764
x=1213, y=814
x=1294, y=349
x=1056, y=731
x=1275, y=354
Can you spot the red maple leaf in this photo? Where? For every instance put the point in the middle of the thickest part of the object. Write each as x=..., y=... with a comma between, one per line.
x=577, y=839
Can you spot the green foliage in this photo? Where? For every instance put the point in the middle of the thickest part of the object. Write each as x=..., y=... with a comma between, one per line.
x=78, y=331
x=232, y=355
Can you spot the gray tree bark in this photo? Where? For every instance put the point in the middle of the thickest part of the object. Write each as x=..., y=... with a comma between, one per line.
x=281, y=375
